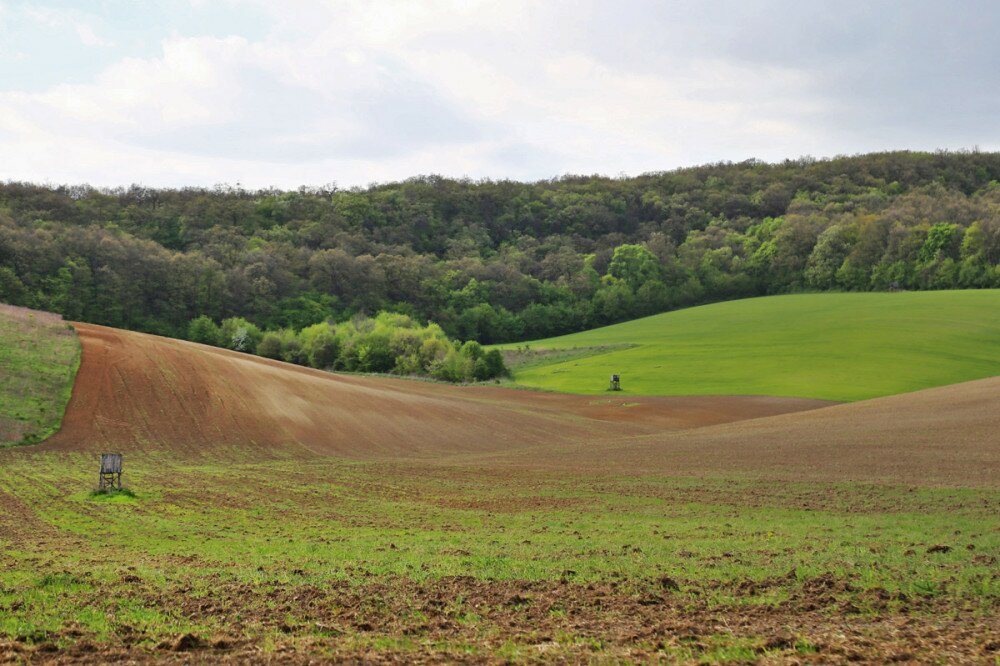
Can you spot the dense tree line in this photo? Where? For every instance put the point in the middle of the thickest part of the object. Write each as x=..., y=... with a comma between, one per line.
x=498, y=260
x=388, y=343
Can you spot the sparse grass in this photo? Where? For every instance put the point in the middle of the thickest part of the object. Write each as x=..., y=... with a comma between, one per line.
x=524, y=356
x=39, y=357
x=239, y=538
x=831, y=346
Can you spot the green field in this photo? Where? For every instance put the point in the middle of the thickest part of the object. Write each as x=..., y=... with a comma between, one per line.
x=830, y=346
x=286, y=556
x=334, y=559
x=39, y=356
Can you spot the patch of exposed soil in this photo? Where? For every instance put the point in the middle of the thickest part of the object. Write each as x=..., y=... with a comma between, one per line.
x=549, y=621
x=943, y=436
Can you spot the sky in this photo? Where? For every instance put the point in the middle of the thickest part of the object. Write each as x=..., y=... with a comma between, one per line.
x=283, y=94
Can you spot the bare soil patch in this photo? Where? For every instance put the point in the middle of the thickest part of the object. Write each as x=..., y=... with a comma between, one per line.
x=941, y=436
x=552, y=621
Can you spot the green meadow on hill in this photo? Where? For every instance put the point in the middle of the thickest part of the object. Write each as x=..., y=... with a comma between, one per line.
x=39, y=356
x=849, y=346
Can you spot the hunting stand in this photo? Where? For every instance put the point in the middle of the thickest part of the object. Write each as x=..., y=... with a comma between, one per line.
x=111, y=471
x=616, y=383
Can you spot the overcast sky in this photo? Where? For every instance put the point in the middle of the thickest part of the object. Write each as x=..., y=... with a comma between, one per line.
x=200, y=92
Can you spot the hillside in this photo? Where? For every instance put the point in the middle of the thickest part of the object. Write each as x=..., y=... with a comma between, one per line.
x=500, y=261
x=275, y=511
x=137, y=392
x=830, y=346
x=940, y=436
x=163, y=400
x=39, y=355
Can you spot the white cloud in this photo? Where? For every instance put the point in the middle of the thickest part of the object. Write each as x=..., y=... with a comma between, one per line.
x=356, y=92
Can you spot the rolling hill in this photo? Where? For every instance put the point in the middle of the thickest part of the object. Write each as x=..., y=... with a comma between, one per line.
x=944, y=436
x=143, y=393
x=268, y=505
x=157, y=398
x=829, y=346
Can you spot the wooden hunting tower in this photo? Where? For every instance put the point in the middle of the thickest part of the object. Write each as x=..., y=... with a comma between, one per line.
x=111, y=471
x=616, y=383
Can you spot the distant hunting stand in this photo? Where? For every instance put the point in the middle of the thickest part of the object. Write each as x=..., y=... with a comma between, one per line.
x=111, y=471
x=616, y=383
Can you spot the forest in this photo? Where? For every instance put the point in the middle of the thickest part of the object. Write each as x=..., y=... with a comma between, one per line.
x=498, y=261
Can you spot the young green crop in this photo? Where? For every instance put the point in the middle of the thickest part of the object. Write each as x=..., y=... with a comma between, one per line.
x=831, y=346
x=143, y=566
x=39, y=357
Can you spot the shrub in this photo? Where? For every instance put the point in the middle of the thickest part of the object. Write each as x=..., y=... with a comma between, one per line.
x=239, y=334
x=270, y=346
x=472, y=350
x=374, y=354
x=455, y=367
x=389, y=342
x=481, y=370
x=323, y=348
x=202, y=329
x=495, y=365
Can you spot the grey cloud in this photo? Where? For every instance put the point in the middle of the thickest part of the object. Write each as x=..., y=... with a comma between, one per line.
x=901, y=70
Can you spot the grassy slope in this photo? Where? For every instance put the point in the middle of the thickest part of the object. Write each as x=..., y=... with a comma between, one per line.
x=831, y=346
x=39, y=355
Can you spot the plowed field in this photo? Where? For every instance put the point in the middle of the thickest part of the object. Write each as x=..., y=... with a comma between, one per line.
x=138, y=392
x=284, y=515
x=942, y=436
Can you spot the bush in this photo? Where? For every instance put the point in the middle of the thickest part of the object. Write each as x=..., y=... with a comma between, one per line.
x=202, y=329
x=481, y=370
x=374, y=354
x=322, y=349
x=291, y=349
x=270, y=346
x=495, y=366
x=455, y=367
x=472, y=350
x=239, y=334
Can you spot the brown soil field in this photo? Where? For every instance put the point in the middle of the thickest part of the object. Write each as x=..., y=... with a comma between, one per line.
x=942, y=436
x=140, y=392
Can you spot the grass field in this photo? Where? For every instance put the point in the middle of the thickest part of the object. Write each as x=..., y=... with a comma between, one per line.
x=279, y=514
x=830, y=346
x=39, y=355
x=334, y=558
